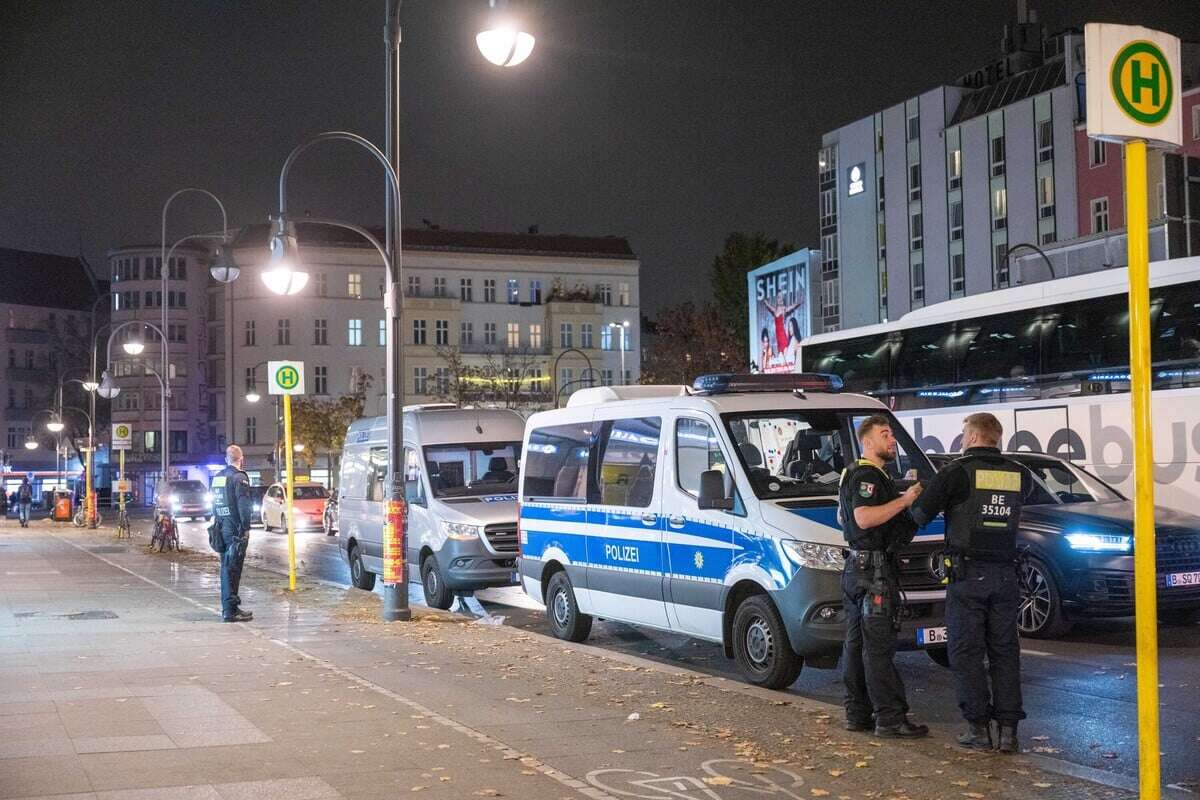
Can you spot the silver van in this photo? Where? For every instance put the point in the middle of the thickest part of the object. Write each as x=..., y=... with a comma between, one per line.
x=461, y=486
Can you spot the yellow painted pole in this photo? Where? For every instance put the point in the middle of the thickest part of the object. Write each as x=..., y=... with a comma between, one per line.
x=89, y=504
x=291, y=521
x=121, y=474
x=1145, y=582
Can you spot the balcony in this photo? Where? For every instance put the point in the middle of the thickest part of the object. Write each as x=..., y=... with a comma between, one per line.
x=27, y=336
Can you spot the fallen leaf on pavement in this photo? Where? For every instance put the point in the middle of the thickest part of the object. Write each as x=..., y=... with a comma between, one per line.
x=633, y=717
x=718, y=780
x=1042, y=785
x=818, y=792
x=837, y=773
x=1109, y=755
x=1041, y=738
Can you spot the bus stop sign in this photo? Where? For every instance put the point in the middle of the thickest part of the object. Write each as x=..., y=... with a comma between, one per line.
x=1133, y=84
x=285, y=377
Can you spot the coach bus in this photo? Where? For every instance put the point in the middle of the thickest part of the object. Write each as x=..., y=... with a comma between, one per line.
x=1051, y=360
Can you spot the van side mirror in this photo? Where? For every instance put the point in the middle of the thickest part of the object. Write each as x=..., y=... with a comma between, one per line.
x=712, y=491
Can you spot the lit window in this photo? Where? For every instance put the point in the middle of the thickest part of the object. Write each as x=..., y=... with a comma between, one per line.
x=354, y=331
x=354, y=284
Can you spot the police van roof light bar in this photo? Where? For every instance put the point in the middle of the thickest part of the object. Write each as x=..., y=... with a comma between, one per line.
x=728, y=382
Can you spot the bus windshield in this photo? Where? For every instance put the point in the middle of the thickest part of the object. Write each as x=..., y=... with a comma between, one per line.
x=789, y=453
x=472, y=470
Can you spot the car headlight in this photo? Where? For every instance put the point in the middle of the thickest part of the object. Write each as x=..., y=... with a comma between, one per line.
x=1100, y=542
x=460, y=530
x=208, y=498
x=257, y=506
x=814, y=556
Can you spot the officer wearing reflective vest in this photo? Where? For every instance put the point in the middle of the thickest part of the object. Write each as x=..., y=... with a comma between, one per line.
x=981, y=494
x=875, y=522
x=233, y=508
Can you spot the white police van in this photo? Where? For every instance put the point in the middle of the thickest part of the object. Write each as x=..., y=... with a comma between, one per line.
x=461, y=486
x=710, y=510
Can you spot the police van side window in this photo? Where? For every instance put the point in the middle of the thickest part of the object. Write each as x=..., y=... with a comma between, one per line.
x=628, y=460
x=696, y=450
x=377, y=474
x=414, y=490
x=556, y=463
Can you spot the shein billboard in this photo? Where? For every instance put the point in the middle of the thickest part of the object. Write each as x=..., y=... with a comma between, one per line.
x=779, y=312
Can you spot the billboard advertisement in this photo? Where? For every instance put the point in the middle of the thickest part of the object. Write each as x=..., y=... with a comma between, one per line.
x=779, y=311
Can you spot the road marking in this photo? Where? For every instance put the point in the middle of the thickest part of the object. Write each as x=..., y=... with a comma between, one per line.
x=32, y=572
x=1041, y=653
x=509, y=752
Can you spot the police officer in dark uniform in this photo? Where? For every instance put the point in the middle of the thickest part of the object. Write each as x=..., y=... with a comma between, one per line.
x=233, y=508
x=981, y=495
x=875, y=522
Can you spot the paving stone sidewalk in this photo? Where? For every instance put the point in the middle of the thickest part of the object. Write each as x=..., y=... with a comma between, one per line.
x=117, y=681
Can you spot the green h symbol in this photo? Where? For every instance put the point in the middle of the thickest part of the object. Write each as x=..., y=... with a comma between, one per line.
x=1138, y=82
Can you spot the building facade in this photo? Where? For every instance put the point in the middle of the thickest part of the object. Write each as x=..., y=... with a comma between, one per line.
x=136, y=274
x=495, y=319
x=954, y=192
x=46, y=304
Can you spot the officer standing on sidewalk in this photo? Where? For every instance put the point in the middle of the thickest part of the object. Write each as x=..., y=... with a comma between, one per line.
x=981, y=495
x=875, y=522
x=233, y=508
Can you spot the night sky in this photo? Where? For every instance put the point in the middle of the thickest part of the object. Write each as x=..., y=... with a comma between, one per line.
x=669, y=122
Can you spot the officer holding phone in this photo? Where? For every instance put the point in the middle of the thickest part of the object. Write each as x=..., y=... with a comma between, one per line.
x=876, y=523
x=981, y=495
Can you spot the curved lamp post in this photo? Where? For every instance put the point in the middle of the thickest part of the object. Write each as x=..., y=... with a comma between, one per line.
x=554, y=370
x=1027, y=246
x=107, y=388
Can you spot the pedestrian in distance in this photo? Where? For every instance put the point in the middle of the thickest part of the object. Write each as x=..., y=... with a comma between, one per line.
x=233, y=508
x=875, y=522
x=981, y=494
x=24, y=500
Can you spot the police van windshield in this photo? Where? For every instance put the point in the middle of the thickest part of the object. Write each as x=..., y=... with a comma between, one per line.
x=802, y=453
x=473, y=470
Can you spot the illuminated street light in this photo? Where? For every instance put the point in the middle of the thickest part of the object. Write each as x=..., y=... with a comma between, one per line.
x=298, y=447
x=224, y=269
x=55, y=425
x=504, y=43
x=134, y=346
x=253, y=396
x=31, y=443
x=283, y=274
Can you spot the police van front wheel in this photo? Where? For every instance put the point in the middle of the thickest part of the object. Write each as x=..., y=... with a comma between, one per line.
x=566, y=621
x=437, y=595
x=761, y=646
x=358, y=573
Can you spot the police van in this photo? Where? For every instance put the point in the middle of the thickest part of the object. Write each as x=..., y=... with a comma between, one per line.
x=461, y=486
x=711, y=510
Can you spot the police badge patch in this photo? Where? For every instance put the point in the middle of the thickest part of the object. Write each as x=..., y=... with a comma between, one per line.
x=866, y=489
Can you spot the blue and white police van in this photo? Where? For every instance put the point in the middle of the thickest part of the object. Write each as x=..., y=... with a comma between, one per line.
x=711, y=510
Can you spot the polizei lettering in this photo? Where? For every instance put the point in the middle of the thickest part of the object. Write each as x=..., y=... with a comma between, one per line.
x=621, y=552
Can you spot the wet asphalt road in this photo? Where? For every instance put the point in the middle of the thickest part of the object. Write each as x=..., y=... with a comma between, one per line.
x=1080, y=693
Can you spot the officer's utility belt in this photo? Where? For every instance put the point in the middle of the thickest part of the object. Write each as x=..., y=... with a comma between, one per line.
x=866, y=559
x=950, y=566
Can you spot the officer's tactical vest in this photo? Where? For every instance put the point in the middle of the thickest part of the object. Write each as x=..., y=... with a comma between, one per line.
x=984, y=527
x=224, y=503
x=852, y=483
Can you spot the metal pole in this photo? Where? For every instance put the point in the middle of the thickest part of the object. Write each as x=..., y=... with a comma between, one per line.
x=1145, y=578
x=395, y=594
x=622, y=330
x=290, y=489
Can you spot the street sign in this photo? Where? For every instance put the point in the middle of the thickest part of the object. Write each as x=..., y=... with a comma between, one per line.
x=124, y=486
x=285, y=377
x=1133, y=84
x=122, y=436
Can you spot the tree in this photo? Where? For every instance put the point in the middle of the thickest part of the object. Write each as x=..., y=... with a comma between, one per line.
x=320, y=425
x=742, y=253
x=691, y=341
x=506, y=380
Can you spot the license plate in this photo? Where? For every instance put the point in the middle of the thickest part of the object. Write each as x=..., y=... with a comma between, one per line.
x=928, y=636
x=1183, y=579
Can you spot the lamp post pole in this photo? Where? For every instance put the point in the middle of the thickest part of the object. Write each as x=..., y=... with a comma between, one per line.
x=163, y=379
x=164, y=273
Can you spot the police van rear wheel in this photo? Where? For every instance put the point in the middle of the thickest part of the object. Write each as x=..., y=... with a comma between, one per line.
x=566, y=621
x=358, y=573
x=761, y=646
x=437, y=595
x=1041, y=614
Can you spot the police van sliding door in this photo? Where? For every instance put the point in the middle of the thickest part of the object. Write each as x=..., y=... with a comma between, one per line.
x=624, y=541
x=699, y=543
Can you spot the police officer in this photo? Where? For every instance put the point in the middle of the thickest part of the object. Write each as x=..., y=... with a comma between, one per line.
x=233, y=508
x=875, y=522
x=981, y=495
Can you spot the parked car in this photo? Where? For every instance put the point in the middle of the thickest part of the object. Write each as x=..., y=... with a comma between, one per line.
x=329, y=520
x=1079, y=534
x=185, y=500
x=308, y=506
x=257, y=493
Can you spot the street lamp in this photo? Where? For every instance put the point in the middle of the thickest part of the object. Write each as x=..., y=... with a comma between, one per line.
x=109, y=390
x=283, y=274
x=134, y=345
x=503, y=43
x=55, y=425
x=621, y=328
x=30, y=442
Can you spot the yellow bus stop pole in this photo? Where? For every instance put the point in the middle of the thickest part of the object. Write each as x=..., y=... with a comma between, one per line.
x=1145, y=580
x=121, y=477
x=291, y=484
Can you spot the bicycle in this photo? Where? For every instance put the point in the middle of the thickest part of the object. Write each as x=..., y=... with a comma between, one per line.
x=80, y=518
x=166, y=533
x=123, y=529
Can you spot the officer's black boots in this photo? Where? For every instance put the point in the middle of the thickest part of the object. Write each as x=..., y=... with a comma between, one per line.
x=859, y=727
x=979, y=736
x=1008, y=739
x=240, y=616
x=905, y=730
